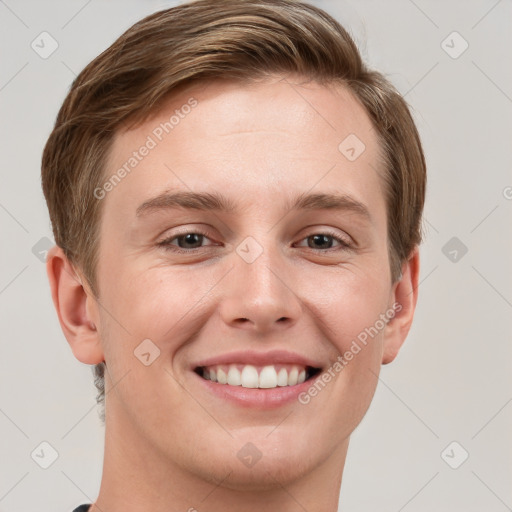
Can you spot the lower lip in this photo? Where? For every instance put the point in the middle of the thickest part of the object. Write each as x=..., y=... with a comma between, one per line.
x=256, y=398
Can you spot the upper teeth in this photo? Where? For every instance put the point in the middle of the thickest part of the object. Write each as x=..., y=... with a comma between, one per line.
x=249, y=376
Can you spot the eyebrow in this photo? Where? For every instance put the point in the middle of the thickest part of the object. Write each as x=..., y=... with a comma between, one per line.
x=207, y=201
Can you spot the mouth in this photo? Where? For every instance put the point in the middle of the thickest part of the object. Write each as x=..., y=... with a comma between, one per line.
x=258, y=377
x=256, y=380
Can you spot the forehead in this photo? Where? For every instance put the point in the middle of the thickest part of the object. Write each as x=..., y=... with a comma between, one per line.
x=272, y=137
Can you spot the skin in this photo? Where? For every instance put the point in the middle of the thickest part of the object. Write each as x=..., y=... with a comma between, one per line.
x=170, y=444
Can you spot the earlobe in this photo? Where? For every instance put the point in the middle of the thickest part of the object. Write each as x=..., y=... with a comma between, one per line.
x=76, y=308
x=403, y=298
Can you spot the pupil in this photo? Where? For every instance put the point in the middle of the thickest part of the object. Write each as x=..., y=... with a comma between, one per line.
x=191, y=238
x=322, y=240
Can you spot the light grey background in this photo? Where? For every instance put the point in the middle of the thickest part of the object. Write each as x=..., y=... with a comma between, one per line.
x=452, y=379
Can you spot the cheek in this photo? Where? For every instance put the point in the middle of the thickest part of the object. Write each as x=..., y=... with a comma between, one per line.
x=350, y=312
x=138, y=360
x=347, y=308
x=150, y=315
x=163, y=302
x=346, y=302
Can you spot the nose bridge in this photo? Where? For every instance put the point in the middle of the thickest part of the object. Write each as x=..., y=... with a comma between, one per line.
x=259, y=295
x=261, y=266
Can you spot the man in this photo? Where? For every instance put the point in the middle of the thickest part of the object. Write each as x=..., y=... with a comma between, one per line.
x=236, y=201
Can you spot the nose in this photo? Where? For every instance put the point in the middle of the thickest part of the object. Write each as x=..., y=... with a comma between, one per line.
x=259, y=296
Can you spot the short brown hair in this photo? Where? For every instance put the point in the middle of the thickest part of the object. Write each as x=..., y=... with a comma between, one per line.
x=209, y=40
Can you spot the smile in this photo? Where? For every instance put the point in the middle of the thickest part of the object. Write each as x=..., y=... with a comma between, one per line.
x=262, y=377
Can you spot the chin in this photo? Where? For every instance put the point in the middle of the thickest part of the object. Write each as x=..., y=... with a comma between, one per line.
x=265, y=475
x=252, y=469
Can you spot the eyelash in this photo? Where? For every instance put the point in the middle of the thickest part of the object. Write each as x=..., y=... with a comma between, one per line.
x=166, y=244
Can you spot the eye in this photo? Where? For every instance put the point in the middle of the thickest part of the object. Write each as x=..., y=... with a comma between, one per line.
x=324, y=241
x=185, y=242
x=191, y=241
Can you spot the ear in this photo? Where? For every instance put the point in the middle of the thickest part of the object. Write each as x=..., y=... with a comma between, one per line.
x=404, y=295
x=76, y=308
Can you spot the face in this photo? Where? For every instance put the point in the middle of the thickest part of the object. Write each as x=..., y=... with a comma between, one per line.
x=244, y=245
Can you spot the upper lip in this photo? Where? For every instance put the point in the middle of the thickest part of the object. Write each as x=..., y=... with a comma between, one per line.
x=256, y=358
